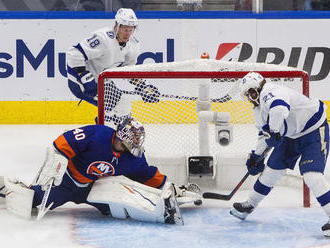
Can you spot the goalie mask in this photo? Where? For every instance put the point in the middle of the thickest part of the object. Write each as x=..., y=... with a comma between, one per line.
x=131, y=133
x=250, y=87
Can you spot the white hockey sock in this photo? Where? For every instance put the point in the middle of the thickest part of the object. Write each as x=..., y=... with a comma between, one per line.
x=255, y=198
x=264, y=184
x=320, y=187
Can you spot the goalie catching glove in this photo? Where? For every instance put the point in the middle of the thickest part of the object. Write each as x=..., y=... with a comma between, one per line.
x=52, y=170
x=189, y=193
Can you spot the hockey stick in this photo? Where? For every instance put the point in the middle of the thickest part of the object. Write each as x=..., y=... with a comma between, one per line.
x=225, y=98
x=42, y=208
x=217, y=196
x=189, y=98
x=234, y=90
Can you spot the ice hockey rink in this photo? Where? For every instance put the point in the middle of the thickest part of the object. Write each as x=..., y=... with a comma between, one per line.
x=281, y=221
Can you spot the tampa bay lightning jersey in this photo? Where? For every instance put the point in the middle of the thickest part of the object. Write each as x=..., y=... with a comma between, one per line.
x=102, y=51
x=90, y=157
x=287, y=111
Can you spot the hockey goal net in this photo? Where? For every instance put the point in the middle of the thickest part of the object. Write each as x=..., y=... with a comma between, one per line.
x=170, y=99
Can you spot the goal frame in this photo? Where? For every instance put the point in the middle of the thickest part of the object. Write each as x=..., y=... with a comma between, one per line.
x=200, y=74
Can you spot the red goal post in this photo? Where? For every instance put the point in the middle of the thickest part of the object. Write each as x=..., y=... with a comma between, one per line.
x=155, y=74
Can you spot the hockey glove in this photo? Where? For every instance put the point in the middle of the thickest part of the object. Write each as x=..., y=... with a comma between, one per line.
x=255, y=163
x=148, y=92
x=274, y=139
x=77, y=91
x=89, y=84
x=188, y=193
x=180, y=191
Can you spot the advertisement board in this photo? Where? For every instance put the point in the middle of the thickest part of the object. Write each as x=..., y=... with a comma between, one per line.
x=32, y=56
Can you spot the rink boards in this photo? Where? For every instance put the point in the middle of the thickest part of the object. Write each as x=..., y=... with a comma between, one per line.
x=32, y=58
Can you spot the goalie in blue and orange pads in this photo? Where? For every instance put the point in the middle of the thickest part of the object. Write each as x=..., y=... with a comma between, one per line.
x=96, y=151
x=107, y=169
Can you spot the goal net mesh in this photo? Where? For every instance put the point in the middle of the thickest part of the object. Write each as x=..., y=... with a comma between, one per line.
x=167, y=98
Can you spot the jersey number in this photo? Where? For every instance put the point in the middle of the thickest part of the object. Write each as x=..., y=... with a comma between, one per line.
x=79, y=134
x=93, y=42
x=268, y=96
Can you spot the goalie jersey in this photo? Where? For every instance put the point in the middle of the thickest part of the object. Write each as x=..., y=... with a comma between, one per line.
x=90, y=156
x=102, y=51
x=288, y=112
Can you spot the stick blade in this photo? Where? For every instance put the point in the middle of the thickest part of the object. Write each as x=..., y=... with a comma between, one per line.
x=211, y=195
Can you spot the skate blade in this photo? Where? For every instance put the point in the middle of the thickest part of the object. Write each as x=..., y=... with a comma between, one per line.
x=326, y=233
x=237, y=214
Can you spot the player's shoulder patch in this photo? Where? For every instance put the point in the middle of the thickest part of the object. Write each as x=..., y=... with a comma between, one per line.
x=110, y=34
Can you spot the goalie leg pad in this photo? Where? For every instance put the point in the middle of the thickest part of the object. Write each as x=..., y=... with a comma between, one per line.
x=3, y=190
x=2, y=187
x=172, y=214
x=19, y=198
x=127, y=198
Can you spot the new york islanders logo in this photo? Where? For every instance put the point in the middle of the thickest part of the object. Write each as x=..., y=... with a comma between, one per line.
x=101, y=169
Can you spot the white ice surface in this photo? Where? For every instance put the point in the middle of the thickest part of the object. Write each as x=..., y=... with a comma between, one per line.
x=280, y=221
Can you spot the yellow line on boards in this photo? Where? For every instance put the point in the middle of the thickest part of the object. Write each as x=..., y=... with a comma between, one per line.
x=46, y=112
x=68, y=112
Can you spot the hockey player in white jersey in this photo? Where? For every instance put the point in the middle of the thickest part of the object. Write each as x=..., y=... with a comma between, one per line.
x=105, y=48
x=295, y=126
x=108, y=48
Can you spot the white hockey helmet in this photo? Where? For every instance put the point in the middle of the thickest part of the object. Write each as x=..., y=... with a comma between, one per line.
x=253, y=81
x=131, y=132
x=126, y=17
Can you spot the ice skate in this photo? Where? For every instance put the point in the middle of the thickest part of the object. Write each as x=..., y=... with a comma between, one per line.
x=242, y=209
x=326, y=229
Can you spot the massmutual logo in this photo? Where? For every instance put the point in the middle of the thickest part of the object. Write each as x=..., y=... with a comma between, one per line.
x=26, y=57
x=314, y=60
x=101, y=169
